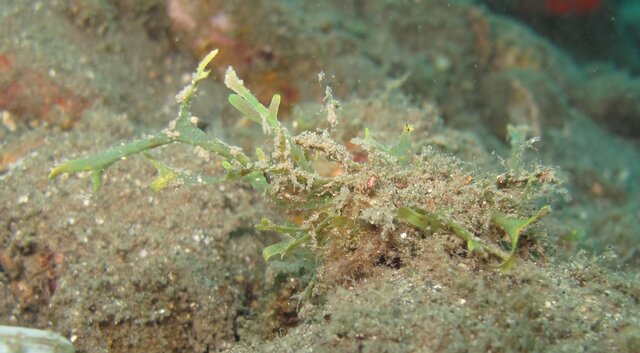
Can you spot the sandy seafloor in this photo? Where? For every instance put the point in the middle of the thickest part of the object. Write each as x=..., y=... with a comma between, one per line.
x=130, y=270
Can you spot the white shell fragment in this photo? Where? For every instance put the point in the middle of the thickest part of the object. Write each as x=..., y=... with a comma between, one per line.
x=27, y=340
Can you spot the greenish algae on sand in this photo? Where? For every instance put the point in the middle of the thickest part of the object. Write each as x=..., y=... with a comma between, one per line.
x=368, y=202
x=195, y=290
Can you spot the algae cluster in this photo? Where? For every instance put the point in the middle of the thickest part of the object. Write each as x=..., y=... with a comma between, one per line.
x=406, y=165
x=357, y=213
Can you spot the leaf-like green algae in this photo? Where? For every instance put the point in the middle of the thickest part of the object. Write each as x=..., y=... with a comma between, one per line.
x=181, y=130
x=298, y=186
x=512, y=226
x=430, y=222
